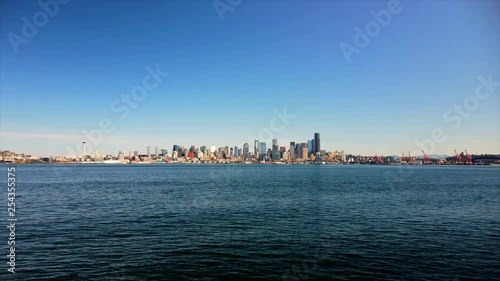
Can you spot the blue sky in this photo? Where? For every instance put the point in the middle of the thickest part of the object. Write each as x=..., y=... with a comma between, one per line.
x=227, y=76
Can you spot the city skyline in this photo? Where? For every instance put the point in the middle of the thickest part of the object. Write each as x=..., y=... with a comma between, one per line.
x=220, y=82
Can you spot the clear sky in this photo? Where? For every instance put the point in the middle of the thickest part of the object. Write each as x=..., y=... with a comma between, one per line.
x=228, y=71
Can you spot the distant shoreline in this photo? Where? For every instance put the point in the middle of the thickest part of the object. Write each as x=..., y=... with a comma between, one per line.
x=270, y=163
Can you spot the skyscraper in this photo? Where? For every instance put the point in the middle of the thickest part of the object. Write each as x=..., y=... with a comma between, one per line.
x=262, y=148
x=317, y=146
x=292, y=150
x=148, y=153
x=275, y=153
x=175, y=148
x=303, y=150
x=236, y=152
x=256, y=147
x=246, y=150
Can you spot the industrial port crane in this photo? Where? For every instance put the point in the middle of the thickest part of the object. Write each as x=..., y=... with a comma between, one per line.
x=458, y=158
x=427, y=160
x=468, y=158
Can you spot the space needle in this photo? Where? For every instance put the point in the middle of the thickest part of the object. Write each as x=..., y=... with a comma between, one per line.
x=84, y=142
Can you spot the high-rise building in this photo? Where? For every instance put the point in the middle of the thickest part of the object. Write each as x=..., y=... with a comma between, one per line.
x=262, y=149
x=317, y=146
x=275, y=153
x=292, y=150
x=236, y=152
x=246, y=150
x=282, y=150
x=304, y=153
x=136, y=153
x=310, y=147
x=303, y=150
x=148, y=153
x=156, y=151
x=256, y=147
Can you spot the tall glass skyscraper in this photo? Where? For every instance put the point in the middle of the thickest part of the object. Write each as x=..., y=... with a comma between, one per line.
x=255, y=147
x=275, y=150
x=317, y=146
x=246, y=150
x=262, y=148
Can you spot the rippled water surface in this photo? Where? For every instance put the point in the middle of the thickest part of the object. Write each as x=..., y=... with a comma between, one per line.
x=254, y=222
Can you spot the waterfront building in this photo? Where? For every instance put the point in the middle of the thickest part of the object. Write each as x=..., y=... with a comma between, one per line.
x=199, y=154
x=148, y=152
x=310, y=147
x=156, y=151
x=236, y=152
x=256, y=147
x=285, y=155
x=136, y=153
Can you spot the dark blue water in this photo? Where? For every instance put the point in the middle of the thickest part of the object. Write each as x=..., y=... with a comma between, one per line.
x=254, y=222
